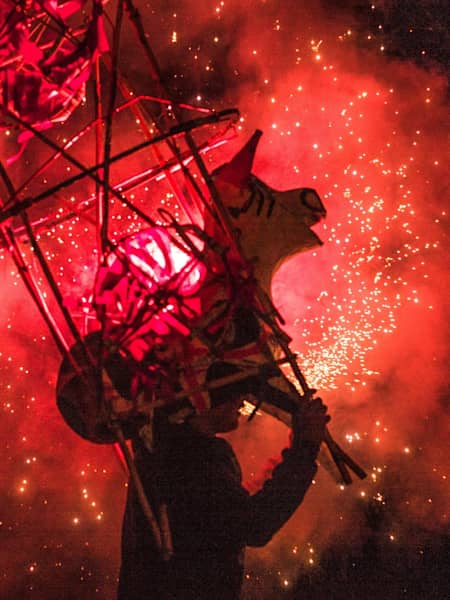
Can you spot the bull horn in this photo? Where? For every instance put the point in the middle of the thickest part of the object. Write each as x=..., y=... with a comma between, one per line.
x=238, y=170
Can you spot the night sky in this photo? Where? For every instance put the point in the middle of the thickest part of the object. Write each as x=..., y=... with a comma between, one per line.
x=353, y=101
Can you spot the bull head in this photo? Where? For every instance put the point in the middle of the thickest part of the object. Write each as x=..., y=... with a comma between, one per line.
x=272, y=225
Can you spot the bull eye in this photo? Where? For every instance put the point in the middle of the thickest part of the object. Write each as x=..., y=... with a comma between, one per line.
x=311, y=200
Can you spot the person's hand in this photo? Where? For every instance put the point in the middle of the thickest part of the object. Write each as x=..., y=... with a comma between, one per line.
x=308, y=424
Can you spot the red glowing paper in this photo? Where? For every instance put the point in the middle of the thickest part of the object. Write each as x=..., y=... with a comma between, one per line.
x=42, y=78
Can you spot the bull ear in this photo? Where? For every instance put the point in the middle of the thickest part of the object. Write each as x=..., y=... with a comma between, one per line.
x=238, y=170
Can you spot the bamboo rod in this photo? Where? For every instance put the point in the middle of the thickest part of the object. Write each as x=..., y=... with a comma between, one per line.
x=91, y=171
x=137, y=483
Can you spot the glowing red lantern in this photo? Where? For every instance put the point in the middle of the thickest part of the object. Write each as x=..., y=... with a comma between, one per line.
x=148, y=288
x=44, y=69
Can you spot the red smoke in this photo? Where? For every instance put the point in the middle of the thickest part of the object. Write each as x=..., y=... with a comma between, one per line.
x=365, y=311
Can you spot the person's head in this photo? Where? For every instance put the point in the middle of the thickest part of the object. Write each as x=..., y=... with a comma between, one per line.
x=222, y=418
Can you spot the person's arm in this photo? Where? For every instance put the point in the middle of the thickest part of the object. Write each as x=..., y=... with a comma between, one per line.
x=234, y=515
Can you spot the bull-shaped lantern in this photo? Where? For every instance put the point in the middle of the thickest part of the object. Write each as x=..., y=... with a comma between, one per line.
x=271, y=225
x=186, y=317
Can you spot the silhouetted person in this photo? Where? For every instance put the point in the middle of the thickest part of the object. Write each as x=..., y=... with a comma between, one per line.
x=212, y=517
